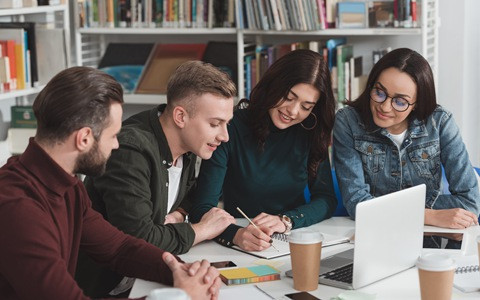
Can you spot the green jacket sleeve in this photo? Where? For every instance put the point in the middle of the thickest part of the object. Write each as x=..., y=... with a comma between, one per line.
x=125, y=192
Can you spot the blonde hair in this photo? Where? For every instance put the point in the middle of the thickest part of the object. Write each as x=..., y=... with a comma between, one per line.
x=195, y=78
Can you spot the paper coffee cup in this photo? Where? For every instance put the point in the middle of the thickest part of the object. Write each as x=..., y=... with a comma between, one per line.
x=168, y=293
x=305, y=252
x=435, y=272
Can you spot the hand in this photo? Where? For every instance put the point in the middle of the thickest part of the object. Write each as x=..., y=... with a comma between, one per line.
x=455, y=218
x=272, y=221
x=198, y=279
x=253, y=239
x=212, y=224
x=174, y=217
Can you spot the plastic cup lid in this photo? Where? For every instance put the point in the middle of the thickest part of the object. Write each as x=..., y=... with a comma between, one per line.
x=435, y=262
x=168, y=293
x=305, y=236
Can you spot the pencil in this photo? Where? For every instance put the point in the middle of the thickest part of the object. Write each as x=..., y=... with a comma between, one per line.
x=251, y=222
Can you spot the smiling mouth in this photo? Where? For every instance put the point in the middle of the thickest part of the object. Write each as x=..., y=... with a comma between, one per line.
x=285, y=117
x=213, y=145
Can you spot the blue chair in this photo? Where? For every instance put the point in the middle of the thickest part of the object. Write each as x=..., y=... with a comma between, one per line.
x=340, y=211
x=445, y=184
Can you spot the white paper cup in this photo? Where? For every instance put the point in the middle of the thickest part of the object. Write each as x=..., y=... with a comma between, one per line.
x=435, y=272
x=305, y=252
x=168, y=293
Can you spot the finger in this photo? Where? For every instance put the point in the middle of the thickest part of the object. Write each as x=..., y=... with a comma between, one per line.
x=259, y=217
x=207, y=271
x=214, y=290
x=170, y=261
x=211, y=274
x=194, y=267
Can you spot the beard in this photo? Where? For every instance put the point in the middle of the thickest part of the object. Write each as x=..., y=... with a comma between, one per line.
x=92, y=163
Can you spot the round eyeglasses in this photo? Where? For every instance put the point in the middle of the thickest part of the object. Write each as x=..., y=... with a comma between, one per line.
x=398, y=103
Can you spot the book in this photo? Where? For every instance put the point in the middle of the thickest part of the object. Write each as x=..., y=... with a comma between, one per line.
x=280, y=241
x=467, y=274
x=161, y=64
x=22, y=117
x=243, y=275
x=351, y=15
x=51, y=56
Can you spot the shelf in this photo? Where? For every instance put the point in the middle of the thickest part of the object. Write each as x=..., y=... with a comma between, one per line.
x=146, y=31
x=144, y=99
x=339, y=32
x=32, y=10
x=20, y=93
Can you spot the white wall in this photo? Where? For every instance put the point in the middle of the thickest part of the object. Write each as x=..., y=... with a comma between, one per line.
x=459, y=68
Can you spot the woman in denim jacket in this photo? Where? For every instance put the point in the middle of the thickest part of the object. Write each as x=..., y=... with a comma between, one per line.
x=395, y=136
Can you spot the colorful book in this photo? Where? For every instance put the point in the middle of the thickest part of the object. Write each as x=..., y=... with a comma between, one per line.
x=245, y=275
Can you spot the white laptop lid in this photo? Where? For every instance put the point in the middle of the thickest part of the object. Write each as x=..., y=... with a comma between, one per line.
x=388, y=235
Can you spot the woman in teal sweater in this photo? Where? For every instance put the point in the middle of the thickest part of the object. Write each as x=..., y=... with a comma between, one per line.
x=277, y=145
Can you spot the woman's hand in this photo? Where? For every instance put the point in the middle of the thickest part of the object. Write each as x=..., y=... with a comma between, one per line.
x=253, y=239
x=273, y=222
x=456, y=218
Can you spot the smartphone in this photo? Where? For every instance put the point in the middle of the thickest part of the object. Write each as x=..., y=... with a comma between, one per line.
x=302, y=296
x=223, y=264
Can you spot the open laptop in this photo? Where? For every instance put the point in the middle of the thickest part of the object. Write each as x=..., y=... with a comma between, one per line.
x=388, y=240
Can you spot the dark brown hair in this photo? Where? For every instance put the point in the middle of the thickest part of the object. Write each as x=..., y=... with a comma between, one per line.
x=75, y=98
x=195, y=78
x=417, y=67
x=299, y=66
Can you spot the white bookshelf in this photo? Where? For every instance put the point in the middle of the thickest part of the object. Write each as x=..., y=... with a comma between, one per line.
x=56, y=16
x=91, y=42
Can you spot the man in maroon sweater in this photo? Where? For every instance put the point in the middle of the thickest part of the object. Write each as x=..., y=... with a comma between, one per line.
x=45, y=212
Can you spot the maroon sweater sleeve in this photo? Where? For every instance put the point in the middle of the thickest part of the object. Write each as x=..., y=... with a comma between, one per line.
x=125, y=254
x=31, y=263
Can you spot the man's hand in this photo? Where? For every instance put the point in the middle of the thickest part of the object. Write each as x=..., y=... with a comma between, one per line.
x=271, y=221
x=198, y=279
x=253, y=239
x=455, y=218
x=174, y=217
x=212, y=224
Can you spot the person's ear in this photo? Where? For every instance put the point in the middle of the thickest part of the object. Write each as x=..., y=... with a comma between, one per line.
x=180, y=116
x=84, y=139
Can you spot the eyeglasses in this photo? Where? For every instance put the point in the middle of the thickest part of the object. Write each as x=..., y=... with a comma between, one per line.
x=398, y=103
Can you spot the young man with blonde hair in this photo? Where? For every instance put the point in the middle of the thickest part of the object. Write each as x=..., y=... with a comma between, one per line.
x=147, y=185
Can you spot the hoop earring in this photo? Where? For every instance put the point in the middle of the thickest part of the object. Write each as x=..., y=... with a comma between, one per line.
x=315, y=124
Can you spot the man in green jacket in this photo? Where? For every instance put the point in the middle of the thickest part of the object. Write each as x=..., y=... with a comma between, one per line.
x=145, y=190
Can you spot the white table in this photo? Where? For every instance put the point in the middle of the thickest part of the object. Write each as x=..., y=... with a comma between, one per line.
x=401, y=286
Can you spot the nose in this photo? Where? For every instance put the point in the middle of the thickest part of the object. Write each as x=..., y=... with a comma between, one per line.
x=293, y=108
x=387, y=104
x=223, y=135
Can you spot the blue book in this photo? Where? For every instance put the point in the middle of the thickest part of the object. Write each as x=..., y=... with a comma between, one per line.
x=331, y=45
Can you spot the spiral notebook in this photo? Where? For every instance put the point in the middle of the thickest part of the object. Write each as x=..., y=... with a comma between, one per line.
x=280, y=241
x=467, y=274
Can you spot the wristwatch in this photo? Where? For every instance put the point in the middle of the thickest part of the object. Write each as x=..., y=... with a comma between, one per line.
x=287, y=222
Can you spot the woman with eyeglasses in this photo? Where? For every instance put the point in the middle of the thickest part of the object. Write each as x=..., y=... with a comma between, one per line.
x=395, y=136
x=277, y=145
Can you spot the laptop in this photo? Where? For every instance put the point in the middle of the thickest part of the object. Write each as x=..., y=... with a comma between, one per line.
x=388, y=240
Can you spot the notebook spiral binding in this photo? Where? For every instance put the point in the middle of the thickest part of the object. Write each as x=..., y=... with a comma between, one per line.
x=467, y=269
x=280, y=236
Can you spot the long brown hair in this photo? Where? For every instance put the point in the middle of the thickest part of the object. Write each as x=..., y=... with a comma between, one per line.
x=299, y=66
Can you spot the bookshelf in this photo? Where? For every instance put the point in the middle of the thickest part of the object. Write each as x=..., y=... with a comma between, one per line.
x=91, y=42
x=51, y=16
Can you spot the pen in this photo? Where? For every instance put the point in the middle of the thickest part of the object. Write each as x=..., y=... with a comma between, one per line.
x=251, y=222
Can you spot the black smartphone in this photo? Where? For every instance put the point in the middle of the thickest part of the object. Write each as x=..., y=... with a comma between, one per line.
x=302, y=296
x=223, y=264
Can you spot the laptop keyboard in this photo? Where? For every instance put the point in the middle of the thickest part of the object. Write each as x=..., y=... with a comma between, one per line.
x=342, y=274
